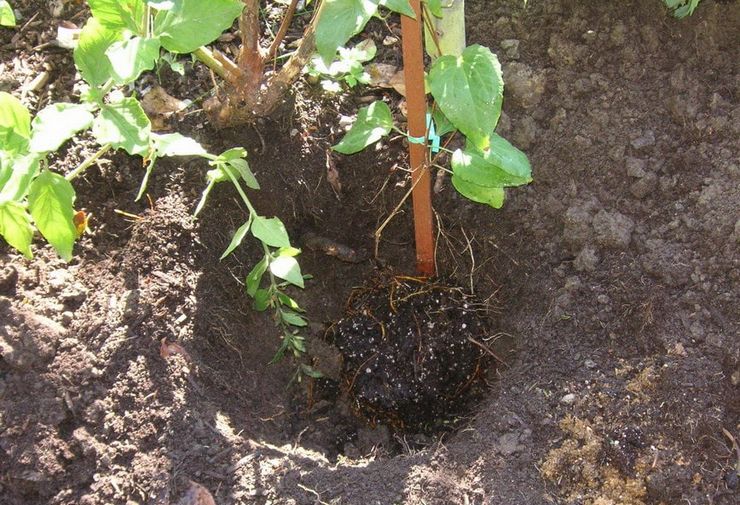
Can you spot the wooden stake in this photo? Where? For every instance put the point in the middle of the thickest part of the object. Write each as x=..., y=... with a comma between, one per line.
x=413, y=68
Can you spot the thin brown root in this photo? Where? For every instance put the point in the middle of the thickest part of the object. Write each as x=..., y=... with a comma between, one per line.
x=487, y=349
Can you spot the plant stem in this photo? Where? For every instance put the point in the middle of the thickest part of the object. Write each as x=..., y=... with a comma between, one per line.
x=282, y=30
x=88, y=162
x=205, y=56
x=266, y=249
x=241, y=192
x=251, y=59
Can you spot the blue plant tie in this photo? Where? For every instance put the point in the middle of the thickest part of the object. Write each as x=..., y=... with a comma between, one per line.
x=431, y=137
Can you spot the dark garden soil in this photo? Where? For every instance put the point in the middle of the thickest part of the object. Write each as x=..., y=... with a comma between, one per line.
x=611, y=286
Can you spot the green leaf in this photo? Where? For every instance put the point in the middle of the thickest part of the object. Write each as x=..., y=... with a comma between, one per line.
x=271, y=231
x=360, y=53
x=255, y=276
x=241, y=166
x=7, y=16
x=15, y=124
x=682, y=8
x=89, y=55
x=502, y=165
x=435, y=7
x=297, y=343
x=214, y=177
x=118, y=14
x=481, y=194
x=190, y=24
x=469, y=91
x=237, y=238
x=311, y=371
x=232, y=154
x=15, y=227
x=261, y=299
x=171, y=60
x=288, y=251
x=441, y=123
x=373, y=122
x=16, y=178
x=175, y=144
x=287, y=268
x=292, y=318
x=129, y=58
x=124, y=125
x=51, y=202
x=145, y=180
x=57, y=123
x=339, y=21
x=289, y=302
x=400, y=6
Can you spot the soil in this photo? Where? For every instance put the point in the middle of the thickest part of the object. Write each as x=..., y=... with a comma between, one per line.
x=611, y=282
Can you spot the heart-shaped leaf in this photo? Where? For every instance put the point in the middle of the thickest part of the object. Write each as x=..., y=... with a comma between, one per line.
x=469, y=90
x=481, y=194
x=501, y=165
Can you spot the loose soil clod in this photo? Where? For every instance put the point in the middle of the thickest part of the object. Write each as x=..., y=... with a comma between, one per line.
x=408, y=355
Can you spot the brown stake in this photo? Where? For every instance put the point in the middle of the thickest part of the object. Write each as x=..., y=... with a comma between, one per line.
x=413, y=68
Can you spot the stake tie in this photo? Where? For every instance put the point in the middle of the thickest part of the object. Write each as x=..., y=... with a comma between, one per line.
x=431, y=136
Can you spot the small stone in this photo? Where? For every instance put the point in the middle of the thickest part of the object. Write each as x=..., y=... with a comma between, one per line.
x=568, y=399
x=735, y=378
x=511, y=48
x=645, y=140
x=589, y=36
x=67, y=318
